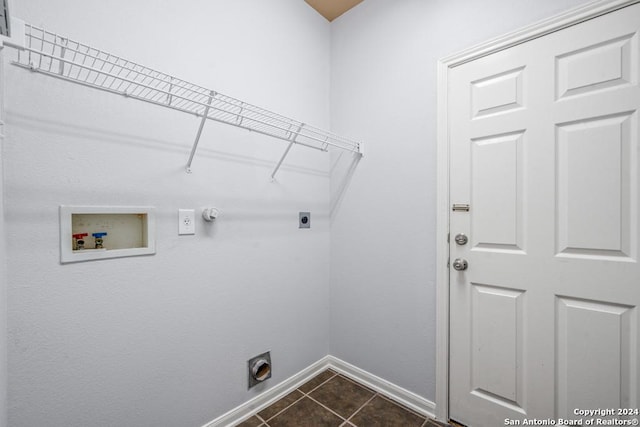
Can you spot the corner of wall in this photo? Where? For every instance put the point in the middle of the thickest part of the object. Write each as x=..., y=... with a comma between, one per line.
x=3, y=281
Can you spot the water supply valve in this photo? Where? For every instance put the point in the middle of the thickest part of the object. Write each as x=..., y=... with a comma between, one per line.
x=99, y=239
x=78, y=241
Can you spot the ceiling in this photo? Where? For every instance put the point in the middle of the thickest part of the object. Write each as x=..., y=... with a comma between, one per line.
x=331, y=9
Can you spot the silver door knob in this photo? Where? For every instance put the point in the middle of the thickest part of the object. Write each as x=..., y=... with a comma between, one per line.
x=460, y=264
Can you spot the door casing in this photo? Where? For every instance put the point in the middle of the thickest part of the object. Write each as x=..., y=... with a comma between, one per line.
x=540, y=29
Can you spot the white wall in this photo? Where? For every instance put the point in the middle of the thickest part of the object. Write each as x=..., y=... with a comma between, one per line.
x=3, y=271
x=383, y=248
x=163, y=340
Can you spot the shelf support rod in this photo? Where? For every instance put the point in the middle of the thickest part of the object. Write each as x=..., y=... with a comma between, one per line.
x=292, y=141
x=199, y=134
x=63, y=49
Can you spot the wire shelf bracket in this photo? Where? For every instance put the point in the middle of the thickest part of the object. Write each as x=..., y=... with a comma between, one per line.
x=199, y=134
x=51, y=54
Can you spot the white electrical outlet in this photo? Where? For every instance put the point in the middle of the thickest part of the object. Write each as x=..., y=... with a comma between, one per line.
x=186, y=221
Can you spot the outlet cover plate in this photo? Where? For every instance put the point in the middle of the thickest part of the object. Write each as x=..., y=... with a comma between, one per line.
x=186, y=221
x=304, y=220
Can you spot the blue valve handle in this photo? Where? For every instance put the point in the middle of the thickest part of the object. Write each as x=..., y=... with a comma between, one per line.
x=99, y=235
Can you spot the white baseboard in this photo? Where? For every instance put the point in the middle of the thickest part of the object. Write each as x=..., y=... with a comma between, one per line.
x=258, y=403
x=404, y=397
x=248, y=409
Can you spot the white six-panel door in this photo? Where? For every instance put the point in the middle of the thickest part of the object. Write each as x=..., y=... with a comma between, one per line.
x=544, y=148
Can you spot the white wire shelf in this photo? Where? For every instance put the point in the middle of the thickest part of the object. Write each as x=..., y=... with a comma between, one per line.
x=57, y=56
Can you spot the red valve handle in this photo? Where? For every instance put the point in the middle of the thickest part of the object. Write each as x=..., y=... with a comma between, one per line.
x=80, y=235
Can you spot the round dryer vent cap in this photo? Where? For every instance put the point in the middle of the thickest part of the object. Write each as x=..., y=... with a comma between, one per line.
x=261, y=369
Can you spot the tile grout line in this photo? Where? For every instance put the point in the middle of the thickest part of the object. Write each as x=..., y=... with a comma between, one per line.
x=426, y=419
x=346, y=422
x=328, y=409
x=363, y=405
x=284, y=409
x=404, y=407
x=388, y=399
x=299, y=399
x=319, y=385
x=357, y=383
x=259, y=417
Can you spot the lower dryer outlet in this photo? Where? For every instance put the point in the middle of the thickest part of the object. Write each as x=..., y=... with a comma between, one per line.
x=259, y=368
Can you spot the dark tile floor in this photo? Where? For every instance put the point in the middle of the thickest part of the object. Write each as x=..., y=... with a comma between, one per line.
x=330, y=399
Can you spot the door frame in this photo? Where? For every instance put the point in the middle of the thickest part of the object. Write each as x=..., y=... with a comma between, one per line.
x=3, y=262
x=563, y=20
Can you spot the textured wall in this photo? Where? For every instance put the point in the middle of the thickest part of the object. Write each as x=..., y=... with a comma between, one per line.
x=163, y=340
x=3, y=271
x=383, y=248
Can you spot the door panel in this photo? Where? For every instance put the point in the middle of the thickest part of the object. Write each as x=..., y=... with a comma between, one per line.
x=544, y=148
x=605, y=196
x=496, y=167
x=588, y=375
x=497, y=94
x=604, y=65
x=496, y=342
